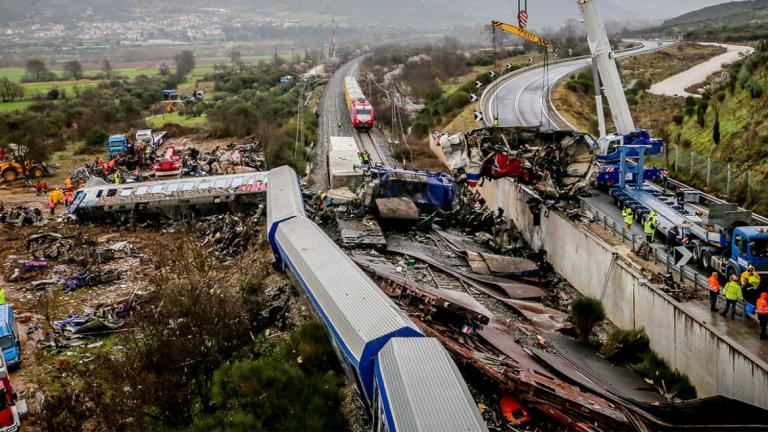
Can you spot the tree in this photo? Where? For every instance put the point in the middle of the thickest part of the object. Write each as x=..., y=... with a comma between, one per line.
x=716, y=129
x=74, y=69
x=185, y=62
x=106, y=68
x=10, y=91
x=36, y=68
x=164, y=70
x=235, y=56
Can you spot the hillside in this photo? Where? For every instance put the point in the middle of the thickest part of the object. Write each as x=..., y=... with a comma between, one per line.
x=431, y=13
x=733, y=21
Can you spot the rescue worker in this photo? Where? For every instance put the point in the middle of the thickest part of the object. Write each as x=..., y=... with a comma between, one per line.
x=750, y=277
x=652, y=216
x=366, y=158
x=68, y=184
x=649, y=227
x=714, y=290
x=52, y=206
x=2, y=296
x=338, y=124
x=496, y=122
x=732, y=293
x=361, y=158
x=116, y=177
x=628, y=218
x=762, y=314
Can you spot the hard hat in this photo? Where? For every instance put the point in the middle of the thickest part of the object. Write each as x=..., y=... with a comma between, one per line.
x=750, y=267
x=653, y=213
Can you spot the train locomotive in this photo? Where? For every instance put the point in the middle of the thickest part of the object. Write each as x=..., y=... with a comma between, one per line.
x=407, y=381
x=360, y=110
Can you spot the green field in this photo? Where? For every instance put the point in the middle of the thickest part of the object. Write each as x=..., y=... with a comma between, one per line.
x=71, y=87
x=158, y=122
x=13, y=106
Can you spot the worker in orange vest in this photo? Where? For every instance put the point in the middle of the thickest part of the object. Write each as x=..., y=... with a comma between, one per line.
x=714, y=290
x=762, y=314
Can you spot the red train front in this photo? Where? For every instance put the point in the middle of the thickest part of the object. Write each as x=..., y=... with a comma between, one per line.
x=360, y=110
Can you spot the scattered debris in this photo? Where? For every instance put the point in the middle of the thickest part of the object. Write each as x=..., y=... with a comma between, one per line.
x=360, y=232
x=21, y=216
x=227, y=235
x=677, y=290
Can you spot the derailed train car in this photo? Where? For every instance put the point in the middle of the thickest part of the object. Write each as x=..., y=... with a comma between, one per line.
x=377, y=344
x=172, y=197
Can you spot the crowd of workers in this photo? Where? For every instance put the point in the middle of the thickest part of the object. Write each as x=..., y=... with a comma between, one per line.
x=745, y=288
x=57, y=195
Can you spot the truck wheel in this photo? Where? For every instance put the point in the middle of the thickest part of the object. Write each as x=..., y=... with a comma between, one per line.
x=706, y=260
x=37, y=172
x=9, y=175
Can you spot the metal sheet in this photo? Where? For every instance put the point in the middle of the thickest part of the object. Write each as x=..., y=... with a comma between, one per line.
x=397, y=208
x=361, y=232
x=432, y=256
x=506, y=264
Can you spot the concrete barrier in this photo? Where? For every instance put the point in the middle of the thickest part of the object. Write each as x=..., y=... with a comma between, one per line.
x=715, y=364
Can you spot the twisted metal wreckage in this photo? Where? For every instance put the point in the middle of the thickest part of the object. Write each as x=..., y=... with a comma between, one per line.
x=558, y=164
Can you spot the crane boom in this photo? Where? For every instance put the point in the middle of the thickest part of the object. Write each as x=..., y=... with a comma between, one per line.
x=606, y=65
x=523, y=33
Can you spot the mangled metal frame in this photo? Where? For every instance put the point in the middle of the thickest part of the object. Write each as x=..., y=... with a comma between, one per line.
x=556, y=163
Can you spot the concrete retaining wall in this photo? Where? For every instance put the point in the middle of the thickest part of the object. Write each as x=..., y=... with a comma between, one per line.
x=715, y=364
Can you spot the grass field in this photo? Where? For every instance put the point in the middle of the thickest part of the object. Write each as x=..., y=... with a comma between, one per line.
x=158, y=122
x=13, y=106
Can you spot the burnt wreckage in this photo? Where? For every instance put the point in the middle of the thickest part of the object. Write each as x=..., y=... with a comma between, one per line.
x=556, y=163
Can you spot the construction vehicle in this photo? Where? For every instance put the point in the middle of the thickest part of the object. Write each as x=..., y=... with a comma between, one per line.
x=717, y=235
x=152, y=139
x=168, y=165
x=12, y=170
x=117, y=145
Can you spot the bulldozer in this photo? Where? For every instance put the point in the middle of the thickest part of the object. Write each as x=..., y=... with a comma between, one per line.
x=11, y=170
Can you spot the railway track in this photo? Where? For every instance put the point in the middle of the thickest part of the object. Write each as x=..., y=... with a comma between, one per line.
x=367, y=143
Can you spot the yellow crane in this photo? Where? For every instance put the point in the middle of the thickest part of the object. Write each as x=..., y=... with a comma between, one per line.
x=523, y=33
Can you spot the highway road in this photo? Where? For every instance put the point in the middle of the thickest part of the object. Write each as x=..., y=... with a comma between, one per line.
x=519, y=98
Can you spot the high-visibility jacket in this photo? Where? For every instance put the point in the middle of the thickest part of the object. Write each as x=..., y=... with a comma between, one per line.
x=68, y=182
x=732, y=291
x=714, y=283
x=761, y=307
x=2, y=296
x=649, y=227
x=628, y=216
x=753, y=279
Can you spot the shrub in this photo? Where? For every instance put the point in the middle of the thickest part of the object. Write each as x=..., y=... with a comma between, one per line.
x=586, y=313
x=675, y=383
x=625, y=346
x=755, y=90
x=96, y=137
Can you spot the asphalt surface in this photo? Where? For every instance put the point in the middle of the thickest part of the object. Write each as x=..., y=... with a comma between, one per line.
x=520, y=99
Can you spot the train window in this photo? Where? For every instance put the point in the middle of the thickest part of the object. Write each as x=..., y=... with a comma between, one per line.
x=111, y=192
x=363, y=112
x=157, y=189
x=237, y=181
x=141, y=190
x=98, y=194
x=173, y=187
x=220, y=183
x=204, y=185
x=126, y=192
x=188, y=186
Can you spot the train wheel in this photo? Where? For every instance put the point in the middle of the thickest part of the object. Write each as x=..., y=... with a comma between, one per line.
x=9, y=175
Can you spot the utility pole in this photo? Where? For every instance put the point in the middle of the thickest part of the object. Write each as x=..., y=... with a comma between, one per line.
x=276, y=55
x=333, y=37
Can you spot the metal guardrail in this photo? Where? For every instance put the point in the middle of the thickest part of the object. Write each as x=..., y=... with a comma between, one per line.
x=685, y=273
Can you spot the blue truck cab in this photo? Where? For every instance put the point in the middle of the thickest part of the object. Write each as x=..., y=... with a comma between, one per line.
x=117, y=145
x=749, y=246
x=9, y=337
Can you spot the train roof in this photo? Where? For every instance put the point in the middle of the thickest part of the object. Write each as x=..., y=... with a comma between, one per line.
x=356, y=311
x=284, y=199
x=171, y=189
x=423, y=389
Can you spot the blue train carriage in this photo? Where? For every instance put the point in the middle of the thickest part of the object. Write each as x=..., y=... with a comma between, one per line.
x=419, y=388
x=284, y=201
x=359, y=316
